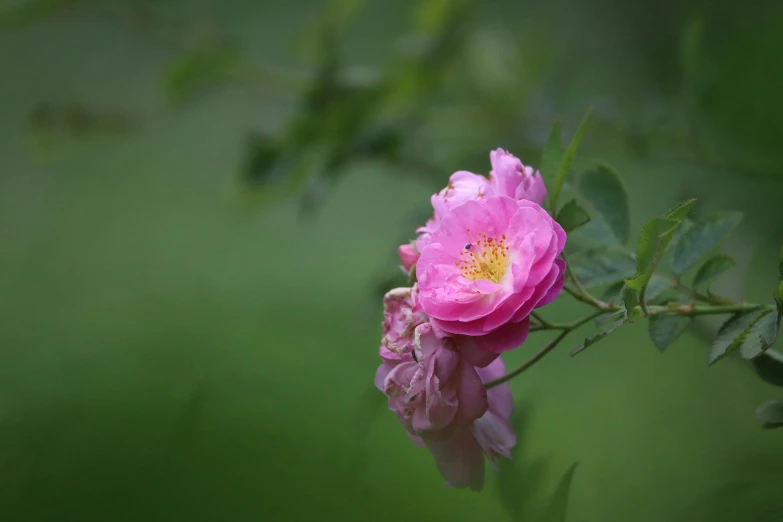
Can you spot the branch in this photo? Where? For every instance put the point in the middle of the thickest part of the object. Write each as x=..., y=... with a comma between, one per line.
x=546, y=325
x=530, y=362
x=693, y=311
x=566, y=329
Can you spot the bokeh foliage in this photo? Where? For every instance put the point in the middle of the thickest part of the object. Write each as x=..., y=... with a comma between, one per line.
x=687, y=87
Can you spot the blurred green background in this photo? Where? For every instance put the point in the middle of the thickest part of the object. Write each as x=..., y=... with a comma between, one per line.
x=186, y=337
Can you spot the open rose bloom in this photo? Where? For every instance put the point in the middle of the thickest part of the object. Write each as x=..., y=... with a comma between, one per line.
x=486, y=259
x=490, y=263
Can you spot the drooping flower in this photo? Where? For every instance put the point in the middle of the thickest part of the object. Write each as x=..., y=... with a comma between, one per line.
x=401, y=317
x=438, y=396
x=509, y=177
x=408, y=256
x=489, y=264
x=493, y=431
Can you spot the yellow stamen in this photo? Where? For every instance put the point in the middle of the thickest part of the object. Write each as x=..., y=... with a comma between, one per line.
x=484, y=259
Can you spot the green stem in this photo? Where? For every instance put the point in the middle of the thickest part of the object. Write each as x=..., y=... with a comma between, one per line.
x=642, y=299
x=714, y=300
x=530, y=362
x=567, y=326
x=585, y=295
x=693, y=311
x=543, y=323
x=566, y=329
x=576, y=295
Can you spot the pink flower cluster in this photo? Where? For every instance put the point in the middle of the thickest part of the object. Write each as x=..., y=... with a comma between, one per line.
x=488, y=256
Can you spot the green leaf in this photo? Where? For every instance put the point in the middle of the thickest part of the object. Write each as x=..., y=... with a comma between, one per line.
x=732, y=334
x=654, y=238
x=771, y=414
x=685, y=225
x=603, y=188
x=592, y=235
x=608, y=323
x=680, y=210
x=572, y=216
x=656, y=286
x=197, y=70
x=552, y=155
x=557, y=509
x=568, y=157
x=665, y=329
x=614, y=293
x=712, y=268
x=601, y=266
x=769, y=367
x=702, y=237
x=761, y=335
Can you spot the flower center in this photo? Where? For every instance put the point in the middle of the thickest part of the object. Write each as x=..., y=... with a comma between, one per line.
x=484, y=259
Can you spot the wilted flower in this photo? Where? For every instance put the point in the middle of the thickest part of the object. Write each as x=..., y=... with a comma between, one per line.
x=489, y=264
x=438, y=396
x=493, y=431
x=401, y=317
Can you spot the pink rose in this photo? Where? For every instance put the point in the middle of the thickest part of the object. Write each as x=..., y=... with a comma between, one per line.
x=489, y=264
x=401, y=317
x=408, y=256
x=509, y=177
x=438, y=396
